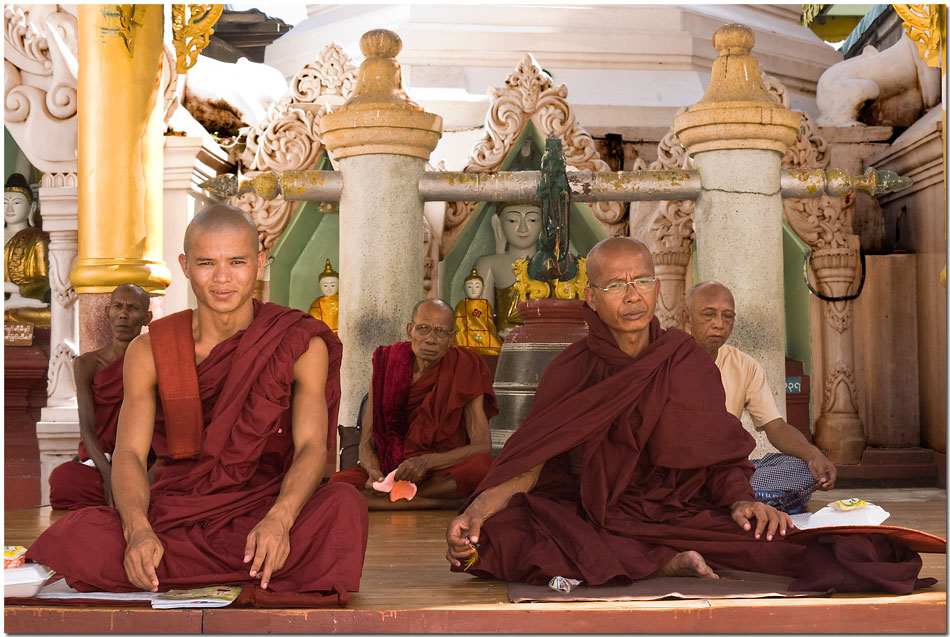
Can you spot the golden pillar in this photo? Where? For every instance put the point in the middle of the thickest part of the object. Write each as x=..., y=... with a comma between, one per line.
x=120, y=158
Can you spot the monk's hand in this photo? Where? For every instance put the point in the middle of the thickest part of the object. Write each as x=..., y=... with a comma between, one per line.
x=267, y=548
x=143, y=553
x=462, y=533
x=767, y=519
x=375, y=475
x=412, y=469
x=823, y=469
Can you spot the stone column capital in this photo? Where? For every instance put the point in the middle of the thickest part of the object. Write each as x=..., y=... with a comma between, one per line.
x=380, y=118
x=736, y=112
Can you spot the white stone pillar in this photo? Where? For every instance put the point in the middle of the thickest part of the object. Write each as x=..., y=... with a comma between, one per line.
x=380, y=271
x=739, y=243
x=737, y=136
x=178, y=209
x=57, y=431
x=380, y=139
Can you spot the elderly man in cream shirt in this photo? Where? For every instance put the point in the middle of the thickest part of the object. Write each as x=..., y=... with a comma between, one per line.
x=785, y=461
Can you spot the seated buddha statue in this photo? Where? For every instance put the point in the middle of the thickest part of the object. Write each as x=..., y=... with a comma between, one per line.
x=26, y=288
x=474, y=325
x=327, y=307
x=517, y=228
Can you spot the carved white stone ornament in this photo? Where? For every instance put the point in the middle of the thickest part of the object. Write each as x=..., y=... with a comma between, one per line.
x=40, y=70
x=529, y=94
x=289, y=136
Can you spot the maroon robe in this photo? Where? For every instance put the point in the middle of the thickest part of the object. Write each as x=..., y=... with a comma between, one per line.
x=203, y=509
x=73, y=485
x=414, y=419
x=657, y=463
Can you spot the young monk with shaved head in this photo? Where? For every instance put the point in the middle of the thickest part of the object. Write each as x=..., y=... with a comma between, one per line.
x=427, y=419
x=98, y=374
x=239, y=396
x=628, y=465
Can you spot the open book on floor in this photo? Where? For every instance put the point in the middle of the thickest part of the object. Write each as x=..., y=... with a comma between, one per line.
x=205, y=597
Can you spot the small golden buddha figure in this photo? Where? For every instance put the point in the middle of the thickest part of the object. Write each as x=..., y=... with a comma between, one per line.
x=327, y=307
x=26, y=288
x=517, y=228
x=474, y=325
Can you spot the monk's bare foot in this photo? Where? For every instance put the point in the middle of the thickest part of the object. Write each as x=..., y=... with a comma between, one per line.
x=686, y=564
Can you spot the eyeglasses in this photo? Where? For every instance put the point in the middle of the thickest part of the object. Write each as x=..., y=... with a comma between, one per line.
x=618, y=289
x=421, y=329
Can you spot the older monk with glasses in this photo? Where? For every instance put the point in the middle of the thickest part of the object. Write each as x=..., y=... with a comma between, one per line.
x=427, y=421
x=628, y=465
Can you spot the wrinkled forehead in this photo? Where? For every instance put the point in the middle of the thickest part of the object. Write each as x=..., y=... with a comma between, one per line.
x=621, y=265
x=130, y=295
x=713, y=296
x=435, y=315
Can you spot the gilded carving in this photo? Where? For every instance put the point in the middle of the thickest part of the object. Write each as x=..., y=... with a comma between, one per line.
x=527, y=287
x=192, y=28
x=924, y=24
x=529, y=94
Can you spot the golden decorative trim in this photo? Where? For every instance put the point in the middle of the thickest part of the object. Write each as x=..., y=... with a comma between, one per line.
x=121, y=20
x=527, y=287
x=925, y=24
x=192, y=27
x=810, y=12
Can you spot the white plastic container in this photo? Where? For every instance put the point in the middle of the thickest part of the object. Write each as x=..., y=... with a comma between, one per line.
x=24, y=581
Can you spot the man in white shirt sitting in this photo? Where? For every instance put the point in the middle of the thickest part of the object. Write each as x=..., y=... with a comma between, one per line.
x=785, y=461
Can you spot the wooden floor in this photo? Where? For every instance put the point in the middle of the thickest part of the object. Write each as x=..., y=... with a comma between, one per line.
x=407, y=587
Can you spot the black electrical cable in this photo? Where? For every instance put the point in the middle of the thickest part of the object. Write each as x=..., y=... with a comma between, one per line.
x=831, y=299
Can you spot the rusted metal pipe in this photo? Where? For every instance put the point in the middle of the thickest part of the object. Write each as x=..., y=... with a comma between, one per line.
x=515, y=187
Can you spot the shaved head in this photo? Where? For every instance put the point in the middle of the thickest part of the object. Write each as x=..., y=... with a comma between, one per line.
x=611, y=248
x=701, y=290
x=130, y=288
x=219, y=217
x=435, y=304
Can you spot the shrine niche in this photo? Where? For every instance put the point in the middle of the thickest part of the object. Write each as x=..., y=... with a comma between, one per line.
x=530, y=98
x=479, y=238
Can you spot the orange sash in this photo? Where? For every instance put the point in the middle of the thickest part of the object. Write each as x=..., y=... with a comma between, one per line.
x=173, y=347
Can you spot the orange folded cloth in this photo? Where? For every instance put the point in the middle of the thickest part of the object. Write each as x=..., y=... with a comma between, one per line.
x=173, y=347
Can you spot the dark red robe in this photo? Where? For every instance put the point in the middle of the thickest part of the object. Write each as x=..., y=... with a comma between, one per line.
x=413, y=419
x=202, y=509
x=73, y=485
x=657, y=463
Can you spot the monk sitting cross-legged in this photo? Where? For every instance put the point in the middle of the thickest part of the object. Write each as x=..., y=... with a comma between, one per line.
x=628, y=466
x=98, y=374
x=247, y=391
x=428, y=416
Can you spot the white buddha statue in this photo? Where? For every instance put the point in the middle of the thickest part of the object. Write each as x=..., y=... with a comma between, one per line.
x=327, y=306
x=517, y=228
x=25, y=260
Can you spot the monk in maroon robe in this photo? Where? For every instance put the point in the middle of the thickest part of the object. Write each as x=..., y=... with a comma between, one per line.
x=428, y=416
x=247, y=390
x=98, y=375
x=628, y=465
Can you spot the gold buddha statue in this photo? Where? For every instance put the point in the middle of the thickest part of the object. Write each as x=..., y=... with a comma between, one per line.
x=474, y=325
x=25, y=256
x=516, y=228
x=327, y=307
